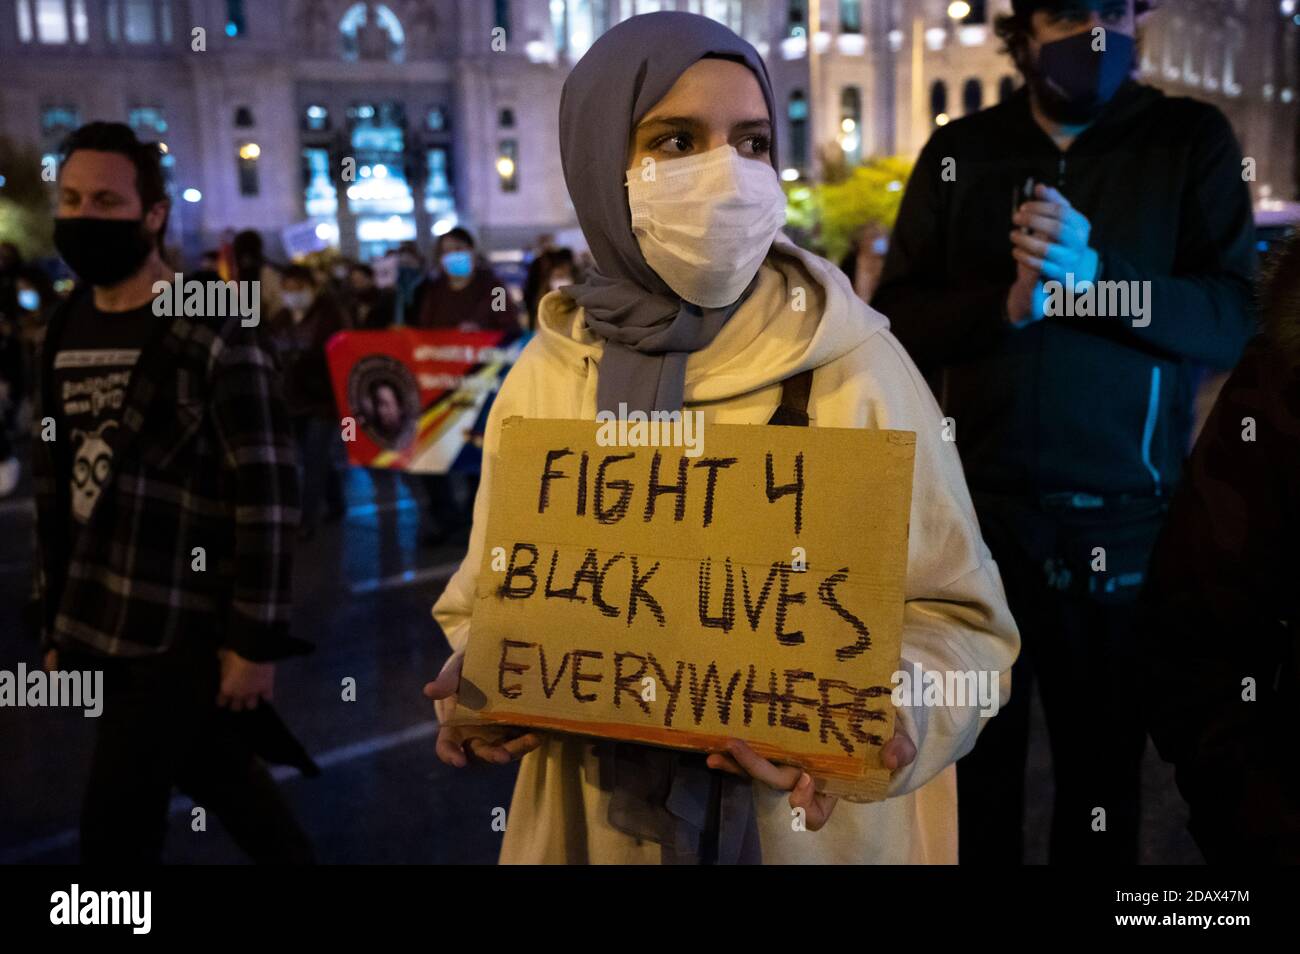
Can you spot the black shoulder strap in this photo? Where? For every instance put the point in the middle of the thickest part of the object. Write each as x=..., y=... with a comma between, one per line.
x=793, y=410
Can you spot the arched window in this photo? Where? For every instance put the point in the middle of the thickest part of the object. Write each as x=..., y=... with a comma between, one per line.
x=1006, y=86
x=939, y=102
x=972, y=96
x=371, y=31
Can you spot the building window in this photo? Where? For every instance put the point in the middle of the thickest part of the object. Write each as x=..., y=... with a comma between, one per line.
x=80, y=25
x=560, y=26
x=1006, y=86
x=939, y=103
x=147, y=119
x=57, y=121
x=726, y=12
x=112, y=20
x=506, y=119
x=439, y=198
x=371, y=32
x=236, y=25
x=850, y=137
x=977, y=13
x=315, y=118
x=797, y=112
x=972, y=96
x=436, y=119
x=139, y=21
x=508, y=165
x=501, y=16
x=796, y=18
x=850, y=16
x=602, y=16
x=51, y=21
x=244, y=118
x=248, y=179
x=24, y=22
x=165, y=21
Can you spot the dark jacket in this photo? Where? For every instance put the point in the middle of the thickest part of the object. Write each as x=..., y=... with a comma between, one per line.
x=1095, y=405
x=300, y=351
x=1223, y=605
x=204, y=457
x=438, y=305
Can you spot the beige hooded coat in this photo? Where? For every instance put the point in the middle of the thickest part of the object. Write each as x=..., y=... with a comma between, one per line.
x=956, y=616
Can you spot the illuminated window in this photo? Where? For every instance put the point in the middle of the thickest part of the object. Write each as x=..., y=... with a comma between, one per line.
x=24, y=22
x=436, y=119
x=508, y=165
x=850, y=138
x=80, y=26
x=51, y=21
x=371, y=31
x=316, y=118
x=850, y=16
x=249, y=185
x=147, y=119
x=139, y=21
x=797, y=113
x=57, y=121
x=236, y=25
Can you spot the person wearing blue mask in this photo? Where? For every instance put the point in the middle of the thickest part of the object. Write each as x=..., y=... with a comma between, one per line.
x=466, y=294
x=1063, y=267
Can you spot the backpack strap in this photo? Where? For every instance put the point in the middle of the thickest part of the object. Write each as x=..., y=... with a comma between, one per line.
x=793, y=410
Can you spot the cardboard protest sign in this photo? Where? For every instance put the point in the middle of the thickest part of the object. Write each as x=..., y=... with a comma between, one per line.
x=419, y=399
x=753, y=590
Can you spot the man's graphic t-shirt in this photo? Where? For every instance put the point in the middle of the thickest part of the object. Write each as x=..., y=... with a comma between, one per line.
x=92, y=368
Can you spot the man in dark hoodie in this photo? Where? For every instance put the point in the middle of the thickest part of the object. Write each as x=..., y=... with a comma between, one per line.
x=1063, y=266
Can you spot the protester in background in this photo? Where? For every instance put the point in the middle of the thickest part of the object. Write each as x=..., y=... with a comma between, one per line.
x=251, y=265
x=466, y=295
x=1221, y=624
x=692, y=309
x=36, y=301
x=298, y=333
x=1072, y=430
x=550, y=271
x=209, y=267
x=410, y=276
x=172, y=446
x=372, y=306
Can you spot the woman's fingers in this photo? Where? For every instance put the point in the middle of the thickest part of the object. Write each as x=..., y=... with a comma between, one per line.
x=445, y=684
x=519, y=747
x=781, y=777
x=725, y=763
x=817, y=807
x=899, y=752
x=449, y=748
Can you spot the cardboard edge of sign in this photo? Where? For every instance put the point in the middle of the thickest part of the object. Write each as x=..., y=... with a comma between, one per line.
x=843, y=775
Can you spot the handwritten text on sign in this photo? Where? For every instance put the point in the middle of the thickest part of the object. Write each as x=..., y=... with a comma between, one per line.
x=755, y=593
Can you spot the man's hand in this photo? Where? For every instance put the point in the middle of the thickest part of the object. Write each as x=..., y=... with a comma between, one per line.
x=243, y=683
x=1052, y=237
x=498, y=745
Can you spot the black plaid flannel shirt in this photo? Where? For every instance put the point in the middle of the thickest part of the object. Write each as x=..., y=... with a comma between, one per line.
x=204, y=457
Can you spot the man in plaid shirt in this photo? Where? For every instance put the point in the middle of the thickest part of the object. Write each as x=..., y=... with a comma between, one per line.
x=167, y=499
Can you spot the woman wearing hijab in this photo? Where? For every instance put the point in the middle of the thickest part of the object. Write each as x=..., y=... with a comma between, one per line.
x=667, y=145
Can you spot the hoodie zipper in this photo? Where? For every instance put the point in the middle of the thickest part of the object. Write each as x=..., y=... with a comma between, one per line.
x=1149, y=427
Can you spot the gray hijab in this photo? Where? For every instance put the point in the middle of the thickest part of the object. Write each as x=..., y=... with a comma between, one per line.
x=694, y=813
x=648, y=330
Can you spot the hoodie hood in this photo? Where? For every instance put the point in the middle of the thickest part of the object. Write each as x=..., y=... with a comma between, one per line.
x=802, y=314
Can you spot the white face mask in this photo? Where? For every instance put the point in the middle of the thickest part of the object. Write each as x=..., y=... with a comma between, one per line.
x=704, y=223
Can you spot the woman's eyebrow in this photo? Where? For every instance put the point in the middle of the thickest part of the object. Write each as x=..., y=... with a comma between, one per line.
x=669, y=122
x=752, y=125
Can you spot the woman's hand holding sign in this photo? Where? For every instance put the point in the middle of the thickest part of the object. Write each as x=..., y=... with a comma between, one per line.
x=740, y=759
x=497, y=745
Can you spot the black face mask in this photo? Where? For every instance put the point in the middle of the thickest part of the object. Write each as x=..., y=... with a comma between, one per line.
x=103, y=252
x=1073, y=82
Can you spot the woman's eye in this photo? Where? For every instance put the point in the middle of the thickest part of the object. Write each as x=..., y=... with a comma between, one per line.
x=756, y=146
x=673, y=144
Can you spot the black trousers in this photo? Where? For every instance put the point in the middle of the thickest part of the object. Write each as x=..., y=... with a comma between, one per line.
x=1078, y=648
x=161, y=730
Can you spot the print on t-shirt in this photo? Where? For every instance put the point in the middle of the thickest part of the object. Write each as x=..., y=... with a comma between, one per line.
x=92, y=390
